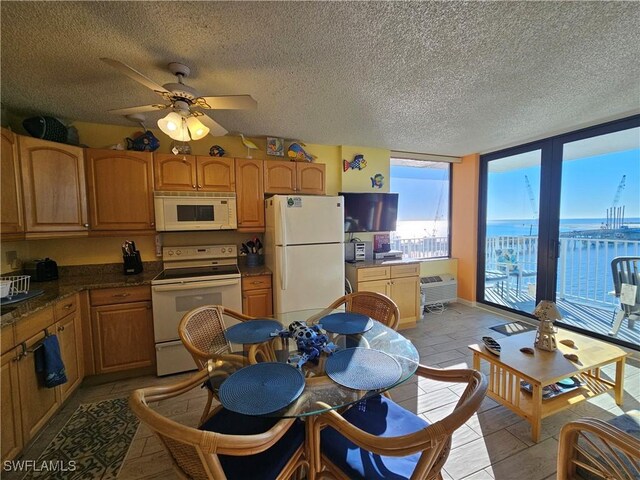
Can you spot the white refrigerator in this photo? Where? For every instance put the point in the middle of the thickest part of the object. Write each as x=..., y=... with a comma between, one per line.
x=304, y=248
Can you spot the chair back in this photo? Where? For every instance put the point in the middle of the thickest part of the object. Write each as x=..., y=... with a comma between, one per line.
x=202, y=333
x=373, y=304
x=627, y=270
x=592, y=449
x=194, y=453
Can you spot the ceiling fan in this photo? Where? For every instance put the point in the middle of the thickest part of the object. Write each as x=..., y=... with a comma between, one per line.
x=186, y=121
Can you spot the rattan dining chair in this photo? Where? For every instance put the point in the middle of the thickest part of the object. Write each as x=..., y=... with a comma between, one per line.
x=373, y=304
x=589, y=448
x=227, y=445
x=201, y=331
x=379, y=439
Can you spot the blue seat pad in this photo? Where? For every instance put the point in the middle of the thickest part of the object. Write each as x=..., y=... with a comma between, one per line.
x=378, y=416
x=262, y=466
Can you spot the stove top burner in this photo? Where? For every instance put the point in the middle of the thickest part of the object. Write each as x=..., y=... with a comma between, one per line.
x=198, y=272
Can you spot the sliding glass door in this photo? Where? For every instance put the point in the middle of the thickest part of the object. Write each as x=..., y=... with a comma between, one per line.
x=553, y=216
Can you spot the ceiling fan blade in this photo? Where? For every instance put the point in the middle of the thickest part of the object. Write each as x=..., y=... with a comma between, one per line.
x=215, y=129
x=136, y=75
x=132, y=110
x=228, y=102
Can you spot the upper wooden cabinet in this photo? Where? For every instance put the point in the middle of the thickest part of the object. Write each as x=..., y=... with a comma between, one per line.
x=294, y=177
x=11, y=219
x=120, y=187
x=188, y=172
x=310, y=178
x=250, y=194
x=55, y=198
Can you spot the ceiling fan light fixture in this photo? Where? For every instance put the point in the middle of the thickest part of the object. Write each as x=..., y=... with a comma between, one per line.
x=196, y=128
x=170, y=124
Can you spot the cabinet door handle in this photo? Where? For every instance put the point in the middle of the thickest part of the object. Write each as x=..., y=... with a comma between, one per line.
x=257, y=283
x=199, y=186
x=68, y=306
x=153, y=223
x=194, y=185
x=61, y=328
x=86, y=225
x=121, y=295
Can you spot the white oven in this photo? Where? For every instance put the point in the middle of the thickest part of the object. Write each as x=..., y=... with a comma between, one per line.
x=188, y=283
x=185, y=211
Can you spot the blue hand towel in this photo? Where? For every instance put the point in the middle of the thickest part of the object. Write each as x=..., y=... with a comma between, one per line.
x=48, y=361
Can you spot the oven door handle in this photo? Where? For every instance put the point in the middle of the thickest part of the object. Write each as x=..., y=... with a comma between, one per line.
x=195, y=285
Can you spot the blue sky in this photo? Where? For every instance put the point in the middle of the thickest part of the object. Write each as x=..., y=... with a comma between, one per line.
x=589, y=186
x=420, y=191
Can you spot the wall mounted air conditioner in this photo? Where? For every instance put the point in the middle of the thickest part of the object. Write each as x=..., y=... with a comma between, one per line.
x=441, y=288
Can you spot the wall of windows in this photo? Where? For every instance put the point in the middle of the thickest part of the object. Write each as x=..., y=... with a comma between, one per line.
x=423, y=227
x=553, y=215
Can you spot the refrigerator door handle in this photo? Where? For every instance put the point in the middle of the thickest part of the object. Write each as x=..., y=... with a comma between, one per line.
x=283, y=270
x=283, y=224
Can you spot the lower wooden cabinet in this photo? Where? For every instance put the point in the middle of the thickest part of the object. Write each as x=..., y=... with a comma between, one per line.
x=37, y=402
x=122, y=331
x=69, y=333
x=401, y=283
x=257, y=299
x=27, y=404
x=11, y=441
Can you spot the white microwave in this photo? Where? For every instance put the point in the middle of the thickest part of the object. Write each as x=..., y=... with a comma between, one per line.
x=188, y=211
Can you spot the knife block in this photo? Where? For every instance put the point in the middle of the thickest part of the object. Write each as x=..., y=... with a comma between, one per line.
x=132, y=263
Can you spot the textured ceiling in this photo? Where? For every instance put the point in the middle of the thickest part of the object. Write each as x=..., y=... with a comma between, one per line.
x=439, y=77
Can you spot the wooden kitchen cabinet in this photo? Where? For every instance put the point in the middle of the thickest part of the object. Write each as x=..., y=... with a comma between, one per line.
x=11, y=216
x=249, y=194
x=120, y=185
x=53, y=182
x=10, y=411
x=400, y=282
x=38, y=403
x=189, y=173
x=294, y=177
x=70, y=338
x=122, y=329
x=257, y=297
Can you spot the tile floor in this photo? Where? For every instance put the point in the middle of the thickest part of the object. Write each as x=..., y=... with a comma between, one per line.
x=494, y=443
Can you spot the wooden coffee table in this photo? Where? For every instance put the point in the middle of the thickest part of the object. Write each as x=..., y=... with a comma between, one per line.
x=546, y=368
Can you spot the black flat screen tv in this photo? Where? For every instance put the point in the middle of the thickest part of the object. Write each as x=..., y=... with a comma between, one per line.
x=370, y=212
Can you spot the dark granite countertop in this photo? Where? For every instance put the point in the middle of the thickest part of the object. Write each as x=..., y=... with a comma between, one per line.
x=382, y=263
x=253, y=271
x=76, y=279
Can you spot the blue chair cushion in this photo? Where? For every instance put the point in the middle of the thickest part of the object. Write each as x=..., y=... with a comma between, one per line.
x=378, y=416
x=262, y=466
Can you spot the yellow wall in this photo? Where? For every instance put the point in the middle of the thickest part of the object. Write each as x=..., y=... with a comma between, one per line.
x=464, y=223
x=360, y=180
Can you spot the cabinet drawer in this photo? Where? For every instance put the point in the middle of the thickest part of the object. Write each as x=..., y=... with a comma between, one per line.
x=110, y=296
x=375, y=273
x=256, y=283
x=30, y=326
x=64, y=307
x=6, y=339
x=411, y=270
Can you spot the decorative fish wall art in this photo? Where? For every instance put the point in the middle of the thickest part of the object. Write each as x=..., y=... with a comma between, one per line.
x=377, y=181
x=217, y=151
x=358, y=163
x=146, y=142
x=298, y=154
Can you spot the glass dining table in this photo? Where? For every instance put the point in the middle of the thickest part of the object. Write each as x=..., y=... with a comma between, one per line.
x=320, y=392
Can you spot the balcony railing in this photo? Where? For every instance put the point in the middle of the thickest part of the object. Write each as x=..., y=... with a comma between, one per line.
x=425, y=247
x=584, y=265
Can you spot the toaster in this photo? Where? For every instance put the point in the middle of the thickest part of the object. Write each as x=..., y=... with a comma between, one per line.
x=41, y=270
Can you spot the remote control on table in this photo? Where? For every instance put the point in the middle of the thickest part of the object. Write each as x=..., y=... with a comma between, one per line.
x=491, y=345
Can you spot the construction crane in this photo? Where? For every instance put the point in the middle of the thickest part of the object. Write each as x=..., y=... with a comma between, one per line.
x=532, y=199
x=534, y=205
x=615, y=215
